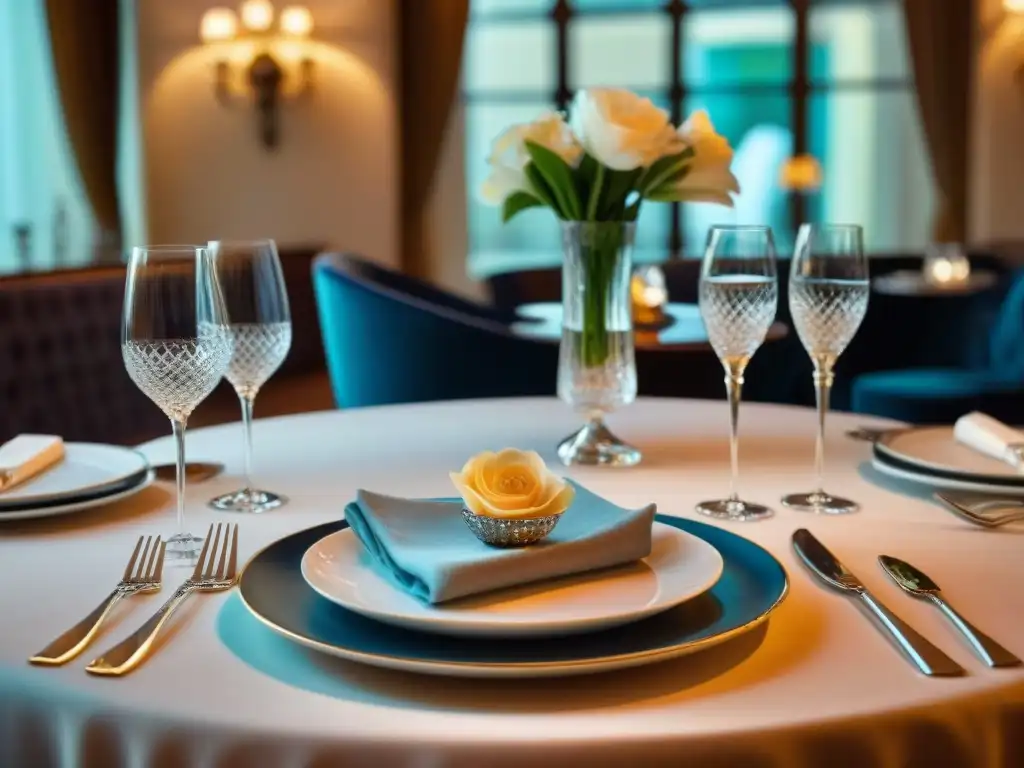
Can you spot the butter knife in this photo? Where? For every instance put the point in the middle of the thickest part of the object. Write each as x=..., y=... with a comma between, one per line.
x=919, y=585
x=926, y=657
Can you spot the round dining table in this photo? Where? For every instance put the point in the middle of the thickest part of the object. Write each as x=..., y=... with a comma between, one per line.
x=816, y=685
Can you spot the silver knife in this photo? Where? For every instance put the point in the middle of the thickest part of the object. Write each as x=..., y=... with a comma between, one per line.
x=926, y=657
x=919, y=585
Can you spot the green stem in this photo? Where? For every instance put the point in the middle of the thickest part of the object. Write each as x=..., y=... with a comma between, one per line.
x=595, y=193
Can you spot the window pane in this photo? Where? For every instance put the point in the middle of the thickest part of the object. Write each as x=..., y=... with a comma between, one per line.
x=630, y=51
x=858, y=42
x=737, y=47
x=583, y=6
x=510, y=56
x=875, y=169
x=484, y=7
x=759, y=129
x=530, y=233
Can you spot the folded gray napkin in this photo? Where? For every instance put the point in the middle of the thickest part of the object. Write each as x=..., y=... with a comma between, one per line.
x=430, y=552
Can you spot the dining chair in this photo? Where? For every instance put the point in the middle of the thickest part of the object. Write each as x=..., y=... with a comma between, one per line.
x=942, y=395
x=389, y=338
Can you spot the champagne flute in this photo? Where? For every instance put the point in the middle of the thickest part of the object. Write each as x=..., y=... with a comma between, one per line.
x=176, y=346
x=738, y=298
x=828, y=298
x=257, y=301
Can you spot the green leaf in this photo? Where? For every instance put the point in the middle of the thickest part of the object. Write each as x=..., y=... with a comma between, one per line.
x=618, y=185
x=541, y=190
x=595, y=194
x=632, y=210
x=516, y=202
x=559, y=176
x=586, y=175
x=662, y=169
x=667, y=191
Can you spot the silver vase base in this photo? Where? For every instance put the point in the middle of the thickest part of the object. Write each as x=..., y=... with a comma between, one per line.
x=248, y=500
x=595, y=445
x=735, y=510
x=820, y=503
x=503, y=532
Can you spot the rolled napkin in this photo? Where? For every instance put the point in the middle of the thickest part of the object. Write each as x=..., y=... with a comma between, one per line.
x=26, y=456
x=428, y=550
x=991, y=437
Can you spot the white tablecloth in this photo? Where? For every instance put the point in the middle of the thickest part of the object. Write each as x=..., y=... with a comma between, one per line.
x=820, y=686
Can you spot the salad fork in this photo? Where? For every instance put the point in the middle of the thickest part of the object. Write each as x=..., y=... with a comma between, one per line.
x=973, y=511
x=215, y=571
x=142, y=574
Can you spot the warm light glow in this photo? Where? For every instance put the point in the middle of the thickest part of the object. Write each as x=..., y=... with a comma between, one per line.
x=649, y=293
x=258, y=15
x=1014, y=6
x=947, y=270
x=801, y=173
x=218, y=25
x=297, y=21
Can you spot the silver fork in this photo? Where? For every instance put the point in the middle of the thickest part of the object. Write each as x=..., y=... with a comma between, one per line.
x=142, y=574
x=212, y=574
x=973, y=511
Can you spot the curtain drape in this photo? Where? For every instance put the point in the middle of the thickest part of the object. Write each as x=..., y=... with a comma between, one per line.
x=86, y=42
x=430, y=37
x=941, y=44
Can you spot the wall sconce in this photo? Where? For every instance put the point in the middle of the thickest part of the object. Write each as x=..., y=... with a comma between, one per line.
x=256, y=58
x=649, y=293
x=802, y=174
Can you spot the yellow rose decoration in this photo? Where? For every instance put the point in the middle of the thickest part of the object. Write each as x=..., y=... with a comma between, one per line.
x=512, y=484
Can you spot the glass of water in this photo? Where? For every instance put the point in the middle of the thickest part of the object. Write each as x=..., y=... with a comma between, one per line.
x=176, y=346
x=828, y=298
x=257, y=301
x=738, y=298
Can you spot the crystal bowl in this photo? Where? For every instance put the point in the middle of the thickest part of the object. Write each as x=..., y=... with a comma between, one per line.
x=503, y=532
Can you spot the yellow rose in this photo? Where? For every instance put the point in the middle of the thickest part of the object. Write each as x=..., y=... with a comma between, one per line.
x=512, y=484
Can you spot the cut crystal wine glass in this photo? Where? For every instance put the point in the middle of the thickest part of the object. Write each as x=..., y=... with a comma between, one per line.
x=257, y=301
x=738, y=300
x=828, y=298
x=176, y=346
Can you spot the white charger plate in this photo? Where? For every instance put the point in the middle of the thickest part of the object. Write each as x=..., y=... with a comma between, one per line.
x=87, y=469
x=934, y=480
x=116, y=493
x=935, y=450
x=680, y=567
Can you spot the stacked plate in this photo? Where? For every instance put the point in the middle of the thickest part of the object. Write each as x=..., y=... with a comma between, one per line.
x=91, y=474
x=700, y=586
x=930, y=456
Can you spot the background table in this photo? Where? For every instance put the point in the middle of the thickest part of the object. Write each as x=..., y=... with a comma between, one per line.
x=543, y=320
x=819, y=686
x=914, y=283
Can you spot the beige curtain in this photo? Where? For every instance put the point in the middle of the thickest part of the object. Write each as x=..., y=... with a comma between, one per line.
x=941, y=35
x=85, y=39
x=430, y=35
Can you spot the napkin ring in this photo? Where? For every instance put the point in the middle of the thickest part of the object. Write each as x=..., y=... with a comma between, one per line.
x=506, y=532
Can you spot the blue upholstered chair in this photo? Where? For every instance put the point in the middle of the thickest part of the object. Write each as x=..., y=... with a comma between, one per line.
x=391, y=339
x=940, y=396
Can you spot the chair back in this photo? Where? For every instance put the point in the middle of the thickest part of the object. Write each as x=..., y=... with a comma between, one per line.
x=1006, y=347
x=391, y=339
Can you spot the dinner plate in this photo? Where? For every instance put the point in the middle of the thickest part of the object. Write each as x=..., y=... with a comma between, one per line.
x=680, y=567
x=911, y=473
x=752, y=585
x=934, y=450
x=109, y=495
x=87, y=469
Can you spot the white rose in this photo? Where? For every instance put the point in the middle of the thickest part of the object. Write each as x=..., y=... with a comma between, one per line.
x=709, y=179
x=509, y=157
x=512, y=484
x=621, y=130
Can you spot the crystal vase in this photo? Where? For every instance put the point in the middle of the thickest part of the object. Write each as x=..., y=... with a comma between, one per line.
x=596, y=366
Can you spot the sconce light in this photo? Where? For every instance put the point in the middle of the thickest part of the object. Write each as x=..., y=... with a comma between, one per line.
x=255, y=57
x=1014, y=6
x=649, y=293
x=801, y=173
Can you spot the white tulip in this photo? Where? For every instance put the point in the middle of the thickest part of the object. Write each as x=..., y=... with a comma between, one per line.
x=509, y=157
x=621, y=130
x=709, y=179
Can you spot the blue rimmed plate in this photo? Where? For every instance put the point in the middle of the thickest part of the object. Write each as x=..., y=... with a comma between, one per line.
x=752, y=585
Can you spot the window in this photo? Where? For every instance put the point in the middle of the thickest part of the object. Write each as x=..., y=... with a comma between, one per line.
x=778, y=77
x=45, y=219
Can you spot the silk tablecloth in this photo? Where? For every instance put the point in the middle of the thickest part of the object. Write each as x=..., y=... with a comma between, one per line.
x=819, y=686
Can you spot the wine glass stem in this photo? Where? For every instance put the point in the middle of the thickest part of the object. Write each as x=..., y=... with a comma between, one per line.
x=734, y=389
x=178, y=428
x=247, y=406
x=822, y=387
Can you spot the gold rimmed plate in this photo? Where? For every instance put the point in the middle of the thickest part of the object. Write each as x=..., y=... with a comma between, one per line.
x=753, y=583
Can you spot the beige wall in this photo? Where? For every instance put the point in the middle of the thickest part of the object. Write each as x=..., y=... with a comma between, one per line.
x=332, y=179
x=997, y=210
